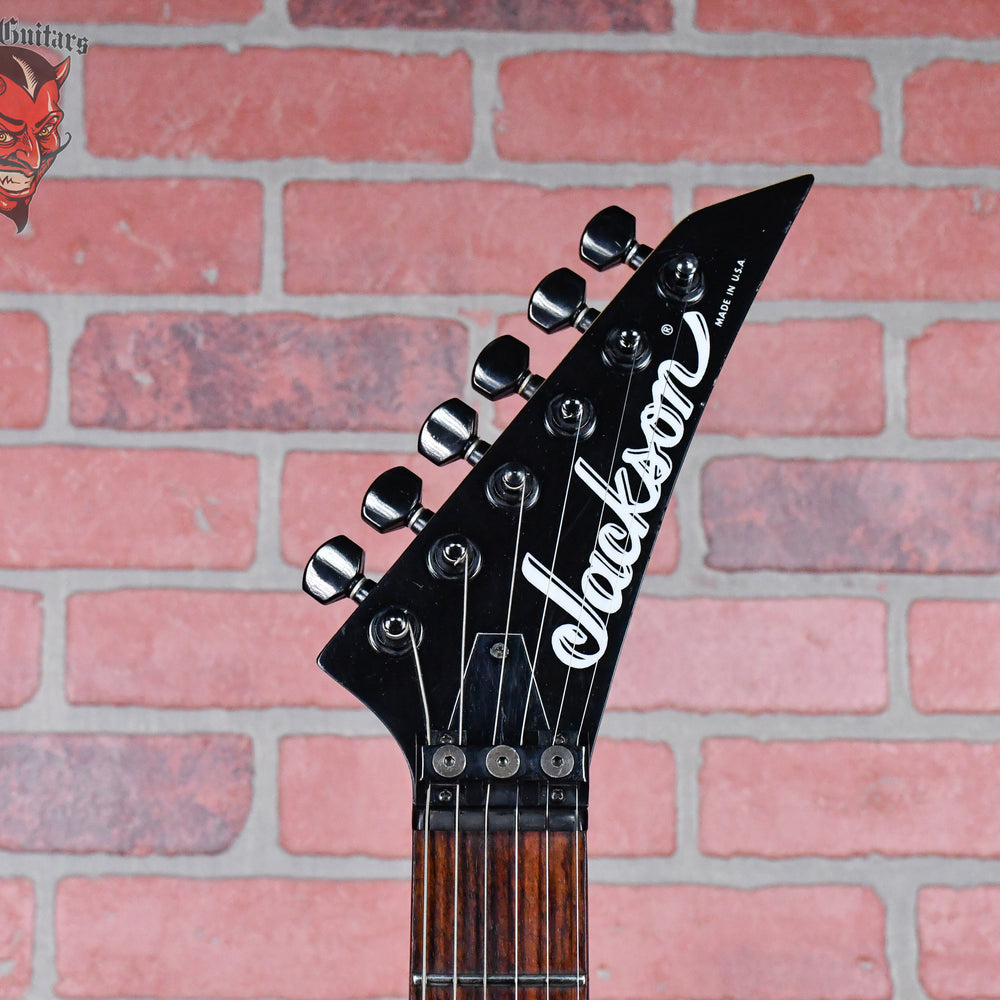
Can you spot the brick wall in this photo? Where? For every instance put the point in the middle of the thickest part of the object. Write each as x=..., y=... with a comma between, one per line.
x=279, y=236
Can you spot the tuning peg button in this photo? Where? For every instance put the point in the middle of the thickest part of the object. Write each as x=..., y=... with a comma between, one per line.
x=336, y=570
x=559, y=301
x=449, y=433
x=502, y=370
x=609, y=239
x=393, y=501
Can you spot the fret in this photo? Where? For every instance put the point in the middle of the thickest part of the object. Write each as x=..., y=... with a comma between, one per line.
x=520, y=927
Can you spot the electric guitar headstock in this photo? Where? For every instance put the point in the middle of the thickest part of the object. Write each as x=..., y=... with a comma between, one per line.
x=488, y=648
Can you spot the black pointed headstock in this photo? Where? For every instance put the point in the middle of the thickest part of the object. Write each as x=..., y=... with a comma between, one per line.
x=489, y=646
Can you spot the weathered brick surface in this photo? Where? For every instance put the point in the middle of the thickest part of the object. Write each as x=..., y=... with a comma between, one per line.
x=882, y=516
x=75, y=506
x=24, y=370
x=17, y=936
x=884, y=243
x=854, y=18
x=234, y=938
x=200, y=649
x=20, y=646
x=143, y=12
x=445, y=237
x=124, y=794
x=632, y=809
x=141, y=235
x=321, y=494
x=279, y=372
x=951, y=381
x=811, y=655
x=816, y=942
x=943, y=106
x=847, y=798
x=958, y=931
x=485, y=15
x=801, y=378
x=954, y=648
x=607, y=107
x=345, y=105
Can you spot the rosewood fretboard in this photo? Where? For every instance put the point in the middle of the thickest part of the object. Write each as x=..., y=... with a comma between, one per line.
x=499, y=915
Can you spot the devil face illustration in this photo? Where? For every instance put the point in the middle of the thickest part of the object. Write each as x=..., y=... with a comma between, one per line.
x=29, y=126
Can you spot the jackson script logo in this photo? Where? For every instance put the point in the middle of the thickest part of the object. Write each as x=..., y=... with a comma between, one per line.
x=29, y=125
x=635, y=489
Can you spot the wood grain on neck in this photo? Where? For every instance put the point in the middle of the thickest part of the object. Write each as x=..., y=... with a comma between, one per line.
x=499, y=915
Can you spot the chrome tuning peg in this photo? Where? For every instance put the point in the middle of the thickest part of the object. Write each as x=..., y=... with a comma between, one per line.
x=336, y=570
x=609, y=239
x=502, y=370
x=450, y=433
x=559, y=301
x=393, y=501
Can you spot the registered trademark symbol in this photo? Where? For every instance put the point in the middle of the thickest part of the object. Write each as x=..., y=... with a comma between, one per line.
x=666, y=329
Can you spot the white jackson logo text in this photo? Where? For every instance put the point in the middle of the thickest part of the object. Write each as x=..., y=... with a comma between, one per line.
x=635, y=489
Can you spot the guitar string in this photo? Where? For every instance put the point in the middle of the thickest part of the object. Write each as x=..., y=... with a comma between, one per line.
x=427, y=864
x=517, y=833
x=510, y=608
x=420, y=681
x=486, y=886
x=461, y=722
x=454, y=907
x=548, y=940
x=461, y=652
x=576, y=877
x=548, y=587
x=660, y=403
x=600, y=518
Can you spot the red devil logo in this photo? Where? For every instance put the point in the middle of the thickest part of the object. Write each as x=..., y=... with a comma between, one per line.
x=29, y=126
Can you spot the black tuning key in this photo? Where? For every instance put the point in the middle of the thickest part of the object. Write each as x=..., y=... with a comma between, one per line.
x=450, y=433
x=609, y=239
x=393, y=501
x=559, y=301
x=502, y=370
x=336, y=570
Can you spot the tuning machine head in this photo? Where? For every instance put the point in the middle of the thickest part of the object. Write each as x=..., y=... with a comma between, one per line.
x=501, y=370
x=449, y=433
x=559, y=301
x=393, y=501
x=336, y=570
x=609, y=239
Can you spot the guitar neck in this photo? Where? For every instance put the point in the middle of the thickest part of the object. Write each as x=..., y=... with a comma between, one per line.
x=498, y=913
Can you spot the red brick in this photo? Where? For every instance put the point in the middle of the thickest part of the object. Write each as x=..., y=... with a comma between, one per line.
x=447, y=237
x=854, y=514
x=200, y=649
x=234, y=938
x=321, y=494
x=632, y=809
x=345, y=105
x=72, y=506
x=24, y=370
x=20, y=646
x=17, y=933
x=854, y=18
x=943, y=110
x=847, y=798
x=124, y=794
x=954, y=648
x=603, y=107
x=138, y=236
x=958, y=932
x=809, y=655
x=810, y=942
x=143, y=11
x=272, y=371
x=885, y=243
x=484, y=15
x=951, y=381
x=799, y=378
